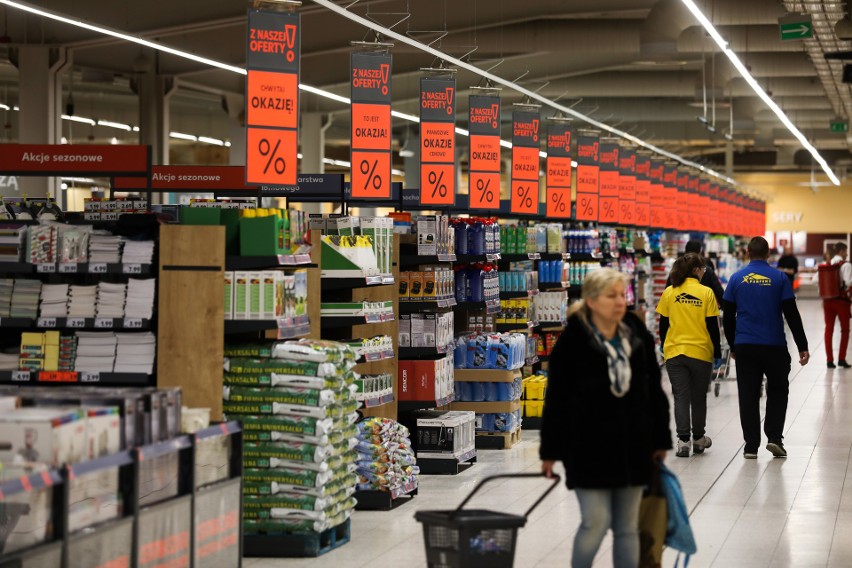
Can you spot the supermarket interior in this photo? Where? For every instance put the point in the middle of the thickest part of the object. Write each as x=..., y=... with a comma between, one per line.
x=281, y=280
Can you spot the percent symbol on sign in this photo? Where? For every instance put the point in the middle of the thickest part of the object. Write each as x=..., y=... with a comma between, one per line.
x=608, y=210
x=559, y=201
x=265, y=149
x=524, y=194
x=372, y=178
x=586, y=203
x=484, y=187
x=437, y=186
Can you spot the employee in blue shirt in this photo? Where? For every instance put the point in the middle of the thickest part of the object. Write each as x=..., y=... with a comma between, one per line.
x=754, y=302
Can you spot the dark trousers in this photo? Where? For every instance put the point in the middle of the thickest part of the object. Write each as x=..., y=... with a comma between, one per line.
x=753, y=363
x=836, y=308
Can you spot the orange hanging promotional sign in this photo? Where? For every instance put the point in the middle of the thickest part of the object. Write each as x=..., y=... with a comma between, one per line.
x=484, y=158
x=609, y=176
x=272, y=97
x=643, y=190
x=526, y=161
x=437, y=141
x=658, y=194
x=558, y=171
x=588, y=175
x=627, y=186
x=670, y=196
x=370, y=81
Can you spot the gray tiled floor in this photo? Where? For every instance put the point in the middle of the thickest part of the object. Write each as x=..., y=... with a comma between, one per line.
x=795, y=512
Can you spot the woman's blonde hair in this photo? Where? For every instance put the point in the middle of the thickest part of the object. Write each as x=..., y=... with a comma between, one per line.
x=597, y=283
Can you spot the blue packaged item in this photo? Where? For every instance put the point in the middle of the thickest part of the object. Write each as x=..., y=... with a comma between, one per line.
x=475, y=285
x=504, y=392
x=490, y=392
x=476, y=392
x=462, y=391
x=476, y=238
x=485, y=422
x=679, y=534
x=460, y=354
x=461, y=285
x=502, y=421
x=477, y=352
x=461, y=237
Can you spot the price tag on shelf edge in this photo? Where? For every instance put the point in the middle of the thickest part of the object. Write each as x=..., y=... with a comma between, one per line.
x=75, y=322
x=98, y=268
x=21, y=376
x=45, y=268
x=89, y=377
x=46, y=322
x=104, y=323
x=68, y=268
x=131, y=268
x=132, y=323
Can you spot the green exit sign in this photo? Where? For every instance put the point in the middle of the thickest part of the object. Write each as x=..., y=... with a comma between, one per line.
x=796, y=26
x=840, y=126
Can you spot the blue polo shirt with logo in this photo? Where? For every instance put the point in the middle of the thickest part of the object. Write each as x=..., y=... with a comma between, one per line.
x=758, y=291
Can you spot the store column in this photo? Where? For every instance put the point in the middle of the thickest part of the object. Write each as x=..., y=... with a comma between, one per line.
x=40, y=102
x=411, y=161
x=235, y=106
x=154, y=92
x=312, y=143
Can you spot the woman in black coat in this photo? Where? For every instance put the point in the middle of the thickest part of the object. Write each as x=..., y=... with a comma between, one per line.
x=606, y=417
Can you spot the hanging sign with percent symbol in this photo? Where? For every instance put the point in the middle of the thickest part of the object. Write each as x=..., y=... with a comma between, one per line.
x=708, y=204
x=658, y=196
x=484, y=127
x=588, y=175
x=694, y=202
x=683, y=200
x=627, y=186
x=526, y=162
x=670, y=196
x=370, y=75
x=643, y=189
x=558, y=180
x=437, y=141
x=609, y=151
x=272, y=97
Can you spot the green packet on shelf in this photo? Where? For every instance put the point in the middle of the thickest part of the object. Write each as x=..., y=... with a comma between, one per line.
x=294, y=475
x=340, y=481
x=282, y=395
x=255, y=366
x=335, y=411
x=305, y=425
x=333, y=437
x=276, y=380
x=301, y=501
x=270, y=512
x=292, y=451
x=260, y=349
x=294, y=525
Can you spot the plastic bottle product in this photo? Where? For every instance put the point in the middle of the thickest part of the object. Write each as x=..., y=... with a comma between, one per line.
x=461, y=283
x=476, y=237
x=460, y=353
x=485, y=422
x=504, y=391
x=461, y=238
x=476, y=391
x=491, y=394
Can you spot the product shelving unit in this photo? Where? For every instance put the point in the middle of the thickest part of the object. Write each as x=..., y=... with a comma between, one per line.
x=491, y=440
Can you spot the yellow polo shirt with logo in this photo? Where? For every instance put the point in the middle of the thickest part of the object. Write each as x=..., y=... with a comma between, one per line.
x=687, y=306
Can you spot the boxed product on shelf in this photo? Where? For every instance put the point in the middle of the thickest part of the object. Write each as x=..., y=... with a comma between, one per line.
x=373, y=386
x=12, y=242
x=348, y=257
x=491, y=351
x=430, y=329
x=551, y=306
x=53, y=436
x=441, y=432
x=404, y=330
x=378, y=308
x=426, y=379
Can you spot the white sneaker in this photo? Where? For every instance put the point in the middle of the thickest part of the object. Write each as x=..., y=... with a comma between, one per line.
x=701, y=444
x=682, y=449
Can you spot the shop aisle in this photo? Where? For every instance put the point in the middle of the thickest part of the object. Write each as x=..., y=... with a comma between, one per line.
x=757, y=513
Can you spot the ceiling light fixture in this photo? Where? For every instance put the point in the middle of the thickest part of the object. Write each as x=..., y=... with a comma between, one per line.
x=214, y=141
x=723, y=45
x=112, y=124
x=182, y=136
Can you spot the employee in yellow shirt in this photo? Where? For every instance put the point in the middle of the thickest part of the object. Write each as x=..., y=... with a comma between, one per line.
x=689, y=335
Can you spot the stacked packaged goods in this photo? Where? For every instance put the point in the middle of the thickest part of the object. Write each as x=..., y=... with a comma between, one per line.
x=296, y=402
x=386, y=461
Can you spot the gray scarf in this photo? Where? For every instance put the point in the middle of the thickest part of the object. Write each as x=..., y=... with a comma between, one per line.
x=618, y=361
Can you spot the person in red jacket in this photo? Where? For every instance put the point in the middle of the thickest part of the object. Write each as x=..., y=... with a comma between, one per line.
x=604, y=385
x=838, y=308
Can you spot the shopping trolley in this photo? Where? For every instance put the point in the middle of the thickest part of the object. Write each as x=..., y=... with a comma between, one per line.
x=475, y=538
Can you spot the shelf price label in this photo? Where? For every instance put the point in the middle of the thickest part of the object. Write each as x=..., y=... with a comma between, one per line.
x=89, y=377
x=558, y=170
x=526, y=164
x=20, y=376
x=272, y=97
x=104, y=323
x=484, y=157
x=97, y=268
x=132, y=323
x=131, y=268
x=68, y=268
x=371, y=125
x=45, y=268
x=46, y=322
x=75, y=323
x=437, y=141
x=588, y=175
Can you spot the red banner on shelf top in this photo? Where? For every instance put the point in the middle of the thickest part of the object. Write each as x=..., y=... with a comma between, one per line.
x=58, y=159
x=484, y=151
x=558, y=179
x=437, y=141
x=189, y=178
x=371, y=135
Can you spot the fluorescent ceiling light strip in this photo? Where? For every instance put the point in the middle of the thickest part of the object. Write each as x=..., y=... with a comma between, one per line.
x=80, y=119
x=208, y=140
x=758, y=89
x=388, y=33
x=112, y=124
x=182, y=136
